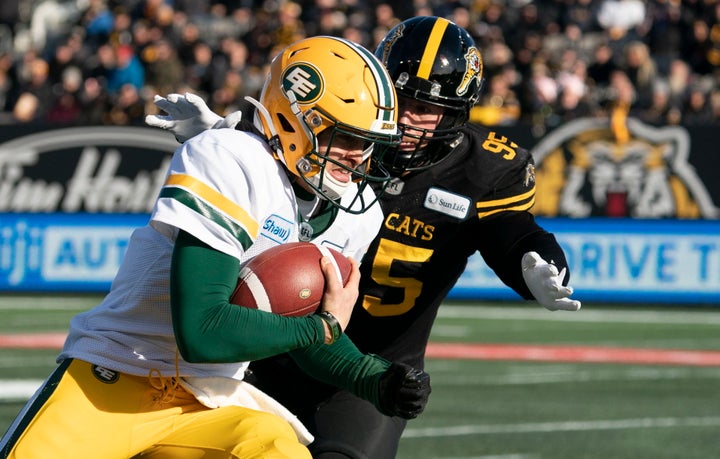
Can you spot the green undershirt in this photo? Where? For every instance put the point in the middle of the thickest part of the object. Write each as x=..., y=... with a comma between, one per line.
x=209, y=329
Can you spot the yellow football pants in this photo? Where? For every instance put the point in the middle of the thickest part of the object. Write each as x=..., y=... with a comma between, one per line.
x=97, y=413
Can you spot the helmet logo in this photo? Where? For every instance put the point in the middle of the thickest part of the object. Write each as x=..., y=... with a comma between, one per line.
x=390, y=41
x=473, y=70
x=304, y=80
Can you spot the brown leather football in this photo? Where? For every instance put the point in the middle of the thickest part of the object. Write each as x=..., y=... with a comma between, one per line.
x=287, y=279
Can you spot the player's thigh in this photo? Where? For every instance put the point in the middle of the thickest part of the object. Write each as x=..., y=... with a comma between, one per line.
x=81, y=411
x=229, y=432
x=347, y=426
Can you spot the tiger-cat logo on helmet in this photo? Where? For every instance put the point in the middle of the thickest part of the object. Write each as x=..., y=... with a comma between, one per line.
x=473, y=69
x=390, y=41
x=305, y=80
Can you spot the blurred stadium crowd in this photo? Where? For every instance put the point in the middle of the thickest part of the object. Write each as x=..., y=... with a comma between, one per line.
x=546, y=61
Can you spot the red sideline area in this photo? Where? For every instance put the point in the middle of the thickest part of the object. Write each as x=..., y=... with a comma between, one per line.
x=540, y=353
x=32, y=341
x=572, y=354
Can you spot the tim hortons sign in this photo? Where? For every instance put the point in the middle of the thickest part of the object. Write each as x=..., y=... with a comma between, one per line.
x=99, y=169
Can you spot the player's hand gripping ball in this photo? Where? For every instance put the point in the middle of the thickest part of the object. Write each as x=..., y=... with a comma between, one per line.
x=287, y=279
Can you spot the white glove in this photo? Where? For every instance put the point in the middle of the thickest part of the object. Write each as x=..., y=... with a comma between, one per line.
x=545, y=283
x=188, y=115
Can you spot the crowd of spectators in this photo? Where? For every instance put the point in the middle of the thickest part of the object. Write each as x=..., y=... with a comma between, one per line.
x=545, y=61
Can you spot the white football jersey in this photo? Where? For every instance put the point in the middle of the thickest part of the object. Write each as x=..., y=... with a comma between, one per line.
x=225, y=188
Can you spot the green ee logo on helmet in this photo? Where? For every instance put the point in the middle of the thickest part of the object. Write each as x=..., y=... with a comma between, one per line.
x=305, y=81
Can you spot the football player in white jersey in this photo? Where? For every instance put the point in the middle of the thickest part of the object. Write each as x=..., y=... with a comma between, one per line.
x=156, y=370
x=422, y=248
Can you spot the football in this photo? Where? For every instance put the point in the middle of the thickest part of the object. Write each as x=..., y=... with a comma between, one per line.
x=287, y=279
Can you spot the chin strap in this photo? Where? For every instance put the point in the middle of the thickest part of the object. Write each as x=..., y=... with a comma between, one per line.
x=274, y=140
x=295, y=108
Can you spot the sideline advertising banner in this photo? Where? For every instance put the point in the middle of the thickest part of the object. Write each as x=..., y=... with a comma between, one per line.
x=624, y=260
x=69, y=199
x=94, y=169
x=634, y=208
x=63, y=252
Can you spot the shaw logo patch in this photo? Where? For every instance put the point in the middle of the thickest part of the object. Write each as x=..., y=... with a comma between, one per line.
x=105, y=375
x=447, y=203
x=277, y=228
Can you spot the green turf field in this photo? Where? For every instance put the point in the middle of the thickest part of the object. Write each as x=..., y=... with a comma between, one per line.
x=524, y=408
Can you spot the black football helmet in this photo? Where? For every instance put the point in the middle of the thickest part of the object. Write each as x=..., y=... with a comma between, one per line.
x=432, y=60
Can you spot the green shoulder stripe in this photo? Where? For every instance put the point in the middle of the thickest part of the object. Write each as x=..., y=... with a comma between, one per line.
x=198, y=205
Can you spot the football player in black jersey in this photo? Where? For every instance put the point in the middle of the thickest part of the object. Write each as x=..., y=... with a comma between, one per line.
x=459, y=189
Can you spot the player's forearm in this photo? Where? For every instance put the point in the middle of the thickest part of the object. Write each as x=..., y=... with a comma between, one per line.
x=507, y=237
x=208, y=328
x=343, y=365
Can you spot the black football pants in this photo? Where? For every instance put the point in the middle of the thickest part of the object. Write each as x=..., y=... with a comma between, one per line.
x=344, y=425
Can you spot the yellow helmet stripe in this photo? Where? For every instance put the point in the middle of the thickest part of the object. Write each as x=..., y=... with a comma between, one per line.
x=431, y=48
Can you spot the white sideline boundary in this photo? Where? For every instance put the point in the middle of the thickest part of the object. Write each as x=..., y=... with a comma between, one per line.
x=454, y=310
x=567, y=426
x=18, y=390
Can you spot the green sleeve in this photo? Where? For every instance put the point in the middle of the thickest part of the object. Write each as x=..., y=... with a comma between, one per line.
x=208, y=328
x=341, y=364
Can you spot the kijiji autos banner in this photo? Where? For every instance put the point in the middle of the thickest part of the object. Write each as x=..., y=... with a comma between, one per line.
x=63, y=252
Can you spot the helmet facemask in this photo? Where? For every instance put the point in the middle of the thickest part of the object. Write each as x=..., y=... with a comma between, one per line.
x=431, y=144
x=314, y=168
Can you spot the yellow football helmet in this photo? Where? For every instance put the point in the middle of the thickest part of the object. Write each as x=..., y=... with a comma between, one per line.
x=322, y=83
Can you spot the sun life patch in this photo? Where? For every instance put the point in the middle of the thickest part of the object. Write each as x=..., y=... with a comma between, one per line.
x=447, y=203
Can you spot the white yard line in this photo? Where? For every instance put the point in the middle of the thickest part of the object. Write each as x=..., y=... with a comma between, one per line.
x=691, y=316
x=450, y=375
x=18, y=390
x=566, y=426
x=48, y=302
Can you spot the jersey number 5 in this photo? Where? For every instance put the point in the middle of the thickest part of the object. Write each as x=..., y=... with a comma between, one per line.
x=387, y=253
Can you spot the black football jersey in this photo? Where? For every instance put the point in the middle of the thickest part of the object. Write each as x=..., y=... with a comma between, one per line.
x=477, y=199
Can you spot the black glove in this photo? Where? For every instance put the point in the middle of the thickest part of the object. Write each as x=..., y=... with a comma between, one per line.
x=403, y=391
